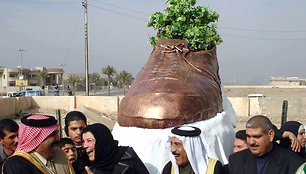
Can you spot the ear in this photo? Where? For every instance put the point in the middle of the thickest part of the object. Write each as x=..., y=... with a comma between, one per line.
x=271, y=135
x=66, y=131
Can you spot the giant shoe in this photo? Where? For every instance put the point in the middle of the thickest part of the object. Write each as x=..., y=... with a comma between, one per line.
x=176, y=86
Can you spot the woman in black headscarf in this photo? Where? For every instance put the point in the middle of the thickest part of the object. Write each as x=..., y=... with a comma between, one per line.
x=106, y=156
x=299, y=131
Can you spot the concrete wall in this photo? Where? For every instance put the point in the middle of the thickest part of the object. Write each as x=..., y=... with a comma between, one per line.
x=54, y=102
x=240, y=105
x=7, y=106
x=108, y=105
x=11, y=106
x=270, y=106
x=273, y=106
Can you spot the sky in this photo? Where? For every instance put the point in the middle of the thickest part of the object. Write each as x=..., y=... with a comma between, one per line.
x=261, y=38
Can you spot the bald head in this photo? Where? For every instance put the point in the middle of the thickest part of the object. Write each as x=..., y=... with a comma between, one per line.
x=259, y=121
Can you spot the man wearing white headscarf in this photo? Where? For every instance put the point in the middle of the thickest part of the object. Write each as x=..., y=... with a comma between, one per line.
x=35, y=153
x=188, y=153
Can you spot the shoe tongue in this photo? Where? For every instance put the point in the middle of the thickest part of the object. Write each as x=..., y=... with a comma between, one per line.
x=171, y=42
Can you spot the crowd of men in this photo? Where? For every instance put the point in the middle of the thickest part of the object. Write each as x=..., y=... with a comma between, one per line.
x=34, y=147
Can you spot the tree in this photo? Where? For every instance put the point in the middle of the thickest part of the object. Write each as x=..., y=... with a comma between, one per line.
x=43, y=74
x=109, y=71
x=73, y=80
x=95, y=80
x=125, y=78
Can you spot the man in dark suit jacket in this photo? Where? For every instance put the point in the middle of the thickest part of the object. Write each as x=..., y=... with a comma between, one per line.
x=263, y=156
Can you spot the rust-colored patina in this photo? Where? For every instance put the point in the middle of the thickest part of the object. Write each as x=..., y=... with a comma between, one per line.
x=176, y=86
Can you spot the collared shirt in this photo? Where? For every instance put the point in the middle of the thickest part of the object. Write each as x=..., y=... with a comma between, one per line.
x=41, y=158
x=44, y=161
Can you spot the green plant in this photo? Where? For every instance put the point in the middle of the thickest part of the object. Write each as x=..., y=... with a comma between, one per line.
x=109, y=71
x=183, y=20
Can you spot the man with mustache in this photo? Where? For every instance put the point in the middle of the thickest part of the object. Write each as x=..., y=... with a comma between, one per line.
x=35, y=153
x=8, y=138
x=263, y=155
x=188, y=154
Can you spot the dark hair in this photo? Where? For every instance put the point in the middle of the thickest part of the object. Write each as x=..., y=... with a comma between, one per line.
x=260, y=121
x=241, y=134
x=73, y=116
x=8, y=125
x=65, y=141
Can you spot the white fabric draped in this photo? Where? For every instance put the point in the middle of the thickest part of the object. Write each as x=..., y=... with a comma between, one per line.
x=152, y=145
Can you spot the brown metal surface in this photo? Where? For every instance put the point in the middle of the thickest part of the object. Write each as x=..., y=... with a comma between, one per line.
x=176, y=86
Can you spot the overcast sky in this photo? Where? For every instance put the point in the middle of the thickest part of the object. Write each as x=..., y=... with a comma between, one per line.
x=262, y=38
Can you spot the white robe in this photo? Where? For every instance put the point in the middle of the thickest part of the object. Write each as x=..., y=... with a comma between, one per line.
x=152, y=147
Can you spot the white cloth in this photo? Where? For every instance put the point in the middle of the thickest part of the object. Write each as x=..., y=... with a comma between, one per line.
x=195, y=151
x=301, y=128
x=301, y=169
x=151, y=145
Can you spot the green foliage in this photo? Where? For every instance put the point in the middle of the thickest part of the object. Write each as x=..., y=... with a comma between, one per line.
x=183, y=20
x=125, y=78
x=73, y=80
x=109, y=71
x=43, y=74
x=95, y=78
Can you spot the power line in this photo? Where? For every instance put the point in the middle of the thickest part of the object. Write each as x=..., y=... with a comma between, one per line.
x=262, y=38
x=118, y=13
x=72, y=38
x=122, y=8
x=260, y=30
x=34, y=2
x=224, y=35
x=226, y=28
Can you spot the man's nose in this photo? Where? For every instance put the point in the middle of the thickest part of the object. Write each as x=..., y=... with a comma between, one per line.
x=79, y=131
x=252, y=141
x=173, y=148
x=70, y=152
x=16, y=139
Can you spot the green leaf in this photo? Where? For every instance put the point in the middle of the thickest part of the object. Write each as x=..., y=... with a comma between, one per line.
x=183, y=20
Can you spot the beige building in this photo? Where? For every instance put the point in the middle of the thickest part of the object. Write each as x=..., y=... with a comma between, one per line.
x=12, y=78
x=287, y=81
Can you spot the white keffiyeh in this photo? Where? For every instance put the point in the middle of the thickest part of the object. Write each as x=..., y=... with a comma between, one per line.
x=195, y=151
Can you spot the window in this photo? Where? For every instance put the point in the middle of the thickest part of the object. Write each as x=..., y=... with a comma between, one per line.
x=13, y=75
x=12, y=83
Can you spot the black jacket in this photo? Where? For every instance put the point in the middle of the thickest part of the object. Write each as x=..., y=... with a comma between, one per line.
x=281, y=161
x=129, y=163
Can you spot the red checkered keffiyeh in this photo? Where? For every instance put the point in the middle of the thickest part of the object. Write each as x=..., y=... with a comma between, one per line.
x=29, y=137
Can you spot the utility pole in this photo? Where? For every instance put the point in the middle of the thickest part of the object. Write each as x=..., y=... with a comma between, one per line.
x=63, y=81
x=84, y=4
x=21, y=56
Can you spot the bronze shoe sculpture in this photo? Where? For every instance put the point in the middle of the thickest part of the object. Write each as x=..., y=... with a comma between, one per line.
x=176, y=86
